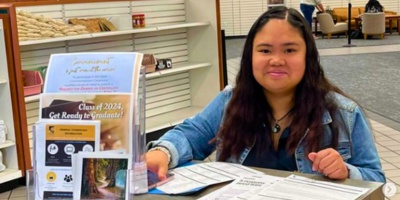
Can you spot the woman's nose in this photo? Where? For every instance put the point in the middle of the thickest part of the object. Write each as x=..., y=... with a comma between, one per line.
x=276, y=60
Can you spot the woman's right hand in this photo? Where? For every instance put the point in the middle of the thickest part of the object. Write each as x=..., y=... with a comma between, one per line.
x=157, y=162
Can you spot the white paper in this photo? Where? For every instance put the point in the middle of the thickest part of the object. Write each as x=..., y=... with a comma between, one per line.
x=191, y=178
x=297, y=187
x=242, y=186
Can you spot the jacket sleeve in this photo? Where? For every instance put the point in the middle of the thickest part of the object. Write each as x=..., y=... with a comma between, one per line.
x=191, y=139
x=364, y=163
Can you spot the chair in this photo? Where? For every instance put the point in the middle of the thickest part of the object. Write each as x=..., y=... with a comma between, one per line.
x=327, y=26
x=373, y=24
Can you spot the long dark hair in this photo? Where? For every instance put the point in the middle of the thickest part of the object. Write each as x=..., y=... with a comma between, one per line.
x=248, y=114
x=373, y=3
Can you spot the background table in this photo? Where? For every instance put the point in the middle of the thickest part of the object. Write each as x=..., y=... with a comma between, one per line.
x=375, y=192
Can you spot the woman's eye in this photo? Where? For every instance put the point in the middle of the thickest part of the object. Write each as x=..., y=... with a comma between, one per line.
x=265, y=51
x=289, y=50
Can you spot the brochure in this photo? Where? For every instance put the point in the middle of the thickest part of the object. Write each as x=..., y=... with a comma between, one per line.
x=55, y=142
x=96, y=85
x=113, y=110
x=101, y=175
x=99, y=72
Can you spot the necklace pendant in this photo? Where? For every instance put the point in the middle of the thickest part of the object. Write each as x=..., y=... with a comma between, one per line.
x=276, y=128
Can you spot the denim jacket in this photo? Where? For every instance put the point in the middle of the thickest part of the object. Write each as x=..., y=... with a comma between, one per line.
x=190, y=140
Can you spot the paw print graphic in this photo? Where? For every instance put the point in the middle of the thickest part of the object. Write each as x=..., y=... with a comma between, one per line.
x=68, y=178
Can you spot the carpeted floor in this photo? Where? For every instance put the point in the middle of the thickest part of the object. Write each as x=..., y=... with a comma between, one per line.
x=338, y=42
x=372, y=79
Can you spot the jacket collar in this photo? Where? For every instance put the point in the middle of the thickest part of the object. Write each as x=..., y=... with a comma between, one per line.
x=326, y=118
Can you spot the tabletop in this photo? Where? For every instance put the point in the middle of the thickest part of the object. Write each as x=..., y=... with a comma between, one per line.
x=375, y=192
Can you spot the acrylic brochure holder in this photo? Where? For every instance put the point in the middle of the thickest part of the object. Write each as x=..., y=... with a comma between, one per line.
x=136, y=176
x=139, y=167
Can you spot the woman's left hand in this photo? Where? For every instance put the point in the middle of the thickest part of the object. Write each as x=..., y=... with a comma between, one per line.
x=330, y=163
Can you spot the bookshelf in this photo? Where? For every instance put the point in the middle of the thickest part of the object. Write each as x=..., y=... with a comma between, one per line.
x=8, y=148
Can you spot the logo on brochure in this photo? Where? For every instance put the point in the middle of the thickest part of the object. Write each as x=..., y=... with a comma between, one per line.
x=87, y=148
x=68, y=178
x=51, y=129
x=69, y=149
x=51, y=176
x=52, y=149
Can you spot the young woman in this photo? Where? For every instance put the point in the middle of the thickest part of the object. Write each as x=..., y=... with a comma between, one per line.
x=282, y=114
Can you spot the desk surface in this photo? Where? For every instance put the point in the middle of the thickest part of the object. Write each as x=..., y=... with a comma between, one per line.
x=375, y=192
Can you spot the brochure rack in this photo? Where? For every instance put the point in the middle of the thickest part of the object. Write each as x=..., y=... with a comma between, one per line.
x=136, y=177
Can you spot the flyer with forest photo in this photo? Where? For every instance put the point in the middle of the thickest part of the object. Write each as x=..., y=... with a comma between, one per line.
x=101, y=175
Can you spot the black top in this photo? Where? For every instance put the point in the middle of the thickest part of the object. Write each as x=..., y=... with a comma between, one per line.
x=279, y=159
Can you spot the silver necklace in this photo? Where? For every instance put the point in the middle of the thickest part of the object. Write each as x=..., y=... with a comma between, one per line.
x=276, y=128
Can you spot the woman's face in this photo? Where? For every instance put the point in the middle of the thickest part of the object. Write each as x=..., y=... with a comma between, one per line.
x=279, y=57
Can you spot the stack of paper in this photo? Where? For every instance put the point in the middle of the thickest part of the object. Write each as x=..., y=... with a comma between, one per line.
x=193, y=178
x=293, y=187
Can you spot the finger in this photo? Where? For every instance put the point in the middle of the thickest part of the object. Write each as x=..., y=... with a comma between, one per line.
x=326, y=162
x=162, y=172
x=337, y=170
x=331, y=162
x=332, y=167
x=158, y=162
x=321, y=155
x=312, y=156
x=339, y=174
x=151, y=166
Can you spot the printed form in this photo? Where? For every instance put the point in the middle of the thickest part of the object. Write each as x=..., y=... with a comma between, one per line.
x=243, y=187
x=195, y=177
x=250, y=184
x=296, y=187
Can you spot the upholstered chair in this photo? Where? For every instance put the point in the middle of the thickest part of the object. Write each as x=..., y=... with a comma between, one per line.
x=373, y=24
x=327, y=26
